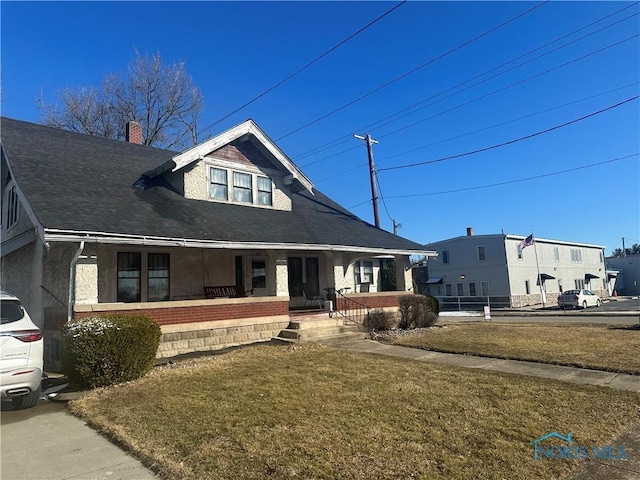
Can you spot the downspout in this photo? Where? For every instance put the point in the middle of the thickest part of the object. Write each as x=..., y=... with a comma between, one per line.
x=72, y=280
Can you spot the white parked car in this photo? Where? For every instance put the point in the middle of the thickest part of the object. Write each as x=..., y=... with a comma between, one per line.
x=578, y=299
x=21, y=354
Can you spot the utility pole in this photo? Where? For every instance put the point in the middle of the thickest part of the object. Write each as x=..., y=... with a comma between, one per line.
x=624, y=250
x=372, y=175
x=396, y=226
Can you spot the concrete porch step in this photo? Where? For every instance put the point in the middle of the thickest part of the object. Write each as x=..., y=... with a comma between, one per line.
x=314, y=333
x=313, y=323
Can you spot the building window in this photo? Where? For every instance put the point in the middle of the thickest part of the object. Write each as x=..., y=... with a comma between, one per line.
x=447, y=289
x=294, y=266
x=527, y=289
x=364, y=272
x=129, y=268
x=556, y=254
x=12, y=207
x=460, y=289
x=242, y=187
x=265, y=194
x=601, y=257
x=484, y=286
x=129, y=277
x=472, y=289
x=482, y=255
x=579, y=283
x=519, y=250
x=218, y=187
x=445, y=256
x=158, y=277
x=576, y=255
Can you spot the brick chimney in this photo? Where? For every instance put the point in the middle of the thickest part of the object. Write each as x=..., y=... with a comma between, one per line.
x=133, y=133
x=469, y=231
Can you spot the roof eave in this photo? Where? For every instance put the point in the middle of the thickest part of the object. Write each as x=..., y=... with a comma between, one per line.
x=55, y=235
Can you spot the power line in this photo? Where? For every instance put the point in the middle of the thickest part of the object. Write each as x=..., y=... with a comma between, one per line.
x=344, y=139
x=308, y=64
x=487, y=94
x=508, y=182
x=483, y=129
x=411, y=71
x=511, y=85
x=508, y=121
x=510, y=142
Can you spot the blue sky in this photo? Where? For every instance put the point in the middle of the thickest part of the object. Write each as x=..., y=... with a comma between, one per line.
x=236, y=50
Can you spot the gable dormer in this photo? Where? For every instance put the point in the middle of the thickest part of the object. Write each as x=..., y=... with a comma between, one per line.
x=241, y=166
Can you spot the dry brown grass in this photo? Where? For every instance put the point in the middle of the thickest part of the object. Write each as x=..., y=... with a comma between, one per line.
x=602, y=347
x=315, y=412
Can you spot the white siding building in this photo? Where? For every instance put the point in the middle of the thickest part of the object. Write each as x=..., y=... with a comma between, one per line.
x=476, y=267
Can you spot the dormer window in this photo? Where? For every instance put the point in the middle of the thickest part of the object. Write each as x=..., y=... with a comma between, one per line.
x=218, y=188
x=242, y=190
x=240, y=187
x=265, y=194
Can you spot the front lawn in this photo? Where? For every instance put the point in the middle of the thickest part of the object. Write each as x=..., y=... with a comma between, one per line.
x=313, y=412
x=602, y=347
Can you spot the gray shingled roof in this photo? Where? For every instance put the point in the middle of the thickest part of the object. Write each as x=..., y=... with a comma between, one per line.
x=85, y=183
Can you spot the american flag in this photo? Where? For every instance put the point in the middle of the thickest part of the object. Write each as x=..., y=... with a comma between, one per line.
x=527, y=242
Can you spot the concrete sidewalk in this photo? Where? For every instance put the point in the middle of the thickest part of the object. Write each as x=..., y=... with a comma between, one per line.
x=619, y=381
x=46, y=442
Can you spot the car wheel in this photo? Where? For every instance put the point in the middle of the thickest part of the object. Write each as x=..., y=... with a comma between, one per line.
x=26, y=401
x=584, y=304
x=598, y=303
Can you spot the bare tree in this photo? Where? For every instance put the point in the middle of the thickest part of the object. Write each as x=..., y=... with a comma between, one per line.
x=162, y=98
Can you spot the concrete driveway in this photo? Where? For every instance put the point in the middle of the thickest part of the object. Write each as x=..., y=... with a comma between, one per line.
x=46, y=442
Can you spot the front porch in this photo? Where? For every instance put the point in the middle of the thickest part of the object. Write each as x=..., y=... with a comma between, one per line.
x=211, y=324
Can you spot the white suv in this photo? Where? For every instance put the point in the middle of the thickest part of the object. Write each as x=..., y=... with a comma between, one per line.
x=21, y=354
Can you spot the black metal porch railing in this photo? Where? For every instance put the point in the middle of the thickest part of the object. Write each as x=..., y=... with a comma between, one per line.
x=352, y=311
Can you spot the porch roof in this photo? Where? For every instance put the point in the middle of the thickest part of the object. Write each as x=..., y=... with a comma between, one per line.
x=80, y=187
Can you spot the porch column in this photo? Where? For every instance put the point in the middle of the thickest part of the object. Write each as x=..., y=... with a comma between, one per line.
x=86, y=284
x=404, y=279
x=339, y=271
x=282, y=275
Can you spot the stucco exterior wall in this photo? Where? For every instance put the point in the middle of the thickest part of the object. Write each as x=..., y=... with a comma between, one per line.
x=22, y=277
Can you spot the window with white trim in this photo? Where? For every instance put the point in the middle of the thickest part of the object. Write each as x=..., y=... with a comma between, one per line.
x=447, y=290
x=579, y=283
x=556, y=254
x=11, y=201
x=472, y=289
x=240, y=187
x=445, y=256
x=460, y=289
x=364, y=272
x=484, y=286
x=265, y=191
x=218, y=186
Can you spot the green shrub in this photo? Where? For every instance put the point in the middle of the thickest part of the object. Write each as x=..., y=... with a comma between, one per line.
x=102, y=350
x=418, y=311
x=378, y=320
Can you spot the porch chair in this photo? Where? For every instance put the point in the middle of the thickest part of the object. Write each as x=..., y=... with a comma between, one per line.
x=310, y=297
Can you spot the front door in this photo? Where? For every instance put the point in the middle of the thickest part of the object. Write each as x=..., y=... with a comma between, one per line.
x=259, y=277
